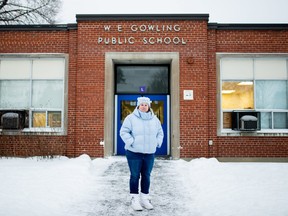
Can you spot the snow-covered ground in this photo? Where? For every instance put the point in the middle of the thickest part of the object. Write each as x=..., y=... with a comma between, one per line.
x=85, y=187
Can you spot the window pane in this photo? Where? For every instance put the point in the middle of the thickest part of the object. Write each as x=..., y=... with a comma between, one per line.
x=39, y=119
x=270, y=69
x=237, y=95
x=128, y=106
x=142, y=79
x=271, y=94
x=266, y=120
x=54, y=119
x=158, y=109
x=280, y=120
x=47, y=94
x=237, y=68
x=48, y=68
x=14, y=94
x=227, y=120
x=15, y=69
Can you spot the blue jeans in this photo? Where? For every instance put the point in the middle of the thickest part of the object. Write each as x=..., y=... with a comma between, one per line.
x=140, y=164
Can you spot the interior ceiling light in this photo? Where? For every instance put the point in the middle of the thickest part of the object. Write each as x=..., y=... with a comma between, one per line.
x=245, y=83
x=228, y=91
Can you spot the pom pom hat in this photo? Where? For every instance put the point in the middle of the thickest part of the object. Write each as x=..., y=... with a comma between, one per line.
x=144, y=100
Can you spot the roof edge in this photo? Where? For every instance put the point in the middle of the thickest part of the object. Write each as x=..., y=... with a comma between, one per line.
x=109, y=17
x=249, y=26
x=42, y=27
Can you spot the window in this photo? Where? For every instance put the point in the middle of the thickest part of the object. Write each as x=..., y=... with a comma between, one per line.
x=35, y=84
x=139, y=79
x=260, y=83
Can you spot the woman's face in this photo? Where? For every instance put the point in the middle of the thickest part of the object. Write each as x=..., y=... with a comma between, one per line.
x=143, y=107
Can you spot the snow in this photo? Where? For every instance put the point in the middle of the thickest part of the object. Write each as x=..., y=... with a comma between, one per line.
x=84, y=186
x=248, y=118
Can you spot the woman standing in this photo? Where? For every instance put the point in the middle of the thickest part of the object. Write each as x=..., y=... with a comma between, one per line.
x=142, y=133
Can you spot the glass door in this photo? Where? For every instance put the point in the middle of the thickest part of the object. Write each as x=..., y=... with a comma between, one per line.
x=125, y=104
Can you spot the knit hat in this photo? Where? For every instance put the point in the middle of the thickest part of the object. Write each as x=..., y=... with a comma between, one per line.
x=144, y=100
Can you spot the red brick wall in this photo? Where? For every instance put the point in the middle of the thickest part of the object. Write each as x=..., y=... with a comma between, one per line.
x=212, y=93
x=252, y=41
x=29, y=145
x=243, y=41
x=90, y=79
x=34, y=42
x=72, y=86
x=198, y=118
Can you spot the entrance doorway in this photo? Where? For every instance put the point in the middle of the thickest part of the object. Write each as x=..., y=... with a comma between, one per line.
x=125, y=104
x=113, y=59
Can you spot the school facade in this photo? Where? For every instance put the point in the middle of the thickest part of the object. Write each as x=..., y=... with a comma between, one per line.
x=219, y=90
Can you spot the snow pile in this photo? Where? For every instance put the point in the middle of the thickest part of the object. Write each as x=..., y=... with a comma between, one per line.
x=81, y=186
x=256, y=189
x=36, y=186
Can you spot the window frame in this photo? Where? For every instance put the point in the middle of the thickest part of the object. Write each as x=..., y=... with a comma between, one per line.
x=64, y=104
x=221, y=131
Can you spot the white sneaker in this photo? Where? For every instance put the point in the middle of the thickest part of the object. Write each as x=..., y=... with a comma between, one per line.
x=135, y=202
x=146, y=201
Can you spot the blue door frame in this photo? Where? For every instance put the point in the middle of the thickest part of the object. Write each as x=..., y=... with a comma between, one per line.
x=163, y=116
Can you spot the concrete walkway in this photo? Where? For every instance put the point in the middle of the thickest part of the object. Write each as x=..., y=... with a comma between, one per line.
x=167, y=192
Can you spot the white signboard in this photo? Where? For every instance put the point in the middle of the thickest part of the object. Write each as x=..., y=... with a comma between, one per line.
x=188, y=95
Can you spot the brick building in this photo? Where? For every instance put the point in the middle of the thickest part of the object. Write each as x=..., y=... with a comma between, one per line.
x=220, y=90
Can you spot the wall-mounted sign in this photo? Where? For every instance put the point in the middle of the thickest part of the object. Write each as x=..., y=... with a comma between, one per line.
x=144, y=40
x=188, y=95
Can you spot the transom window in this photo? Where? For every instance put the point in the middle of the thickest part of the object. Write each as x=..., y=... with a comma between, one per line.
x=257, y=83
x=36, y=85
x=141, y=79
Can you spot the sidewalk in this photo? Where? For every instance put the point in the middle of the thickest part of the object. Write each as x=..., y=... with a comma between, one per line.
x=167, y=193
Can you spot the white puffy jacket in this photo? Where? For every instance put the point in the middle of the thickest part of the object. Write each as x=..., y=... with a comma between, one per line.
x=142, y=135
